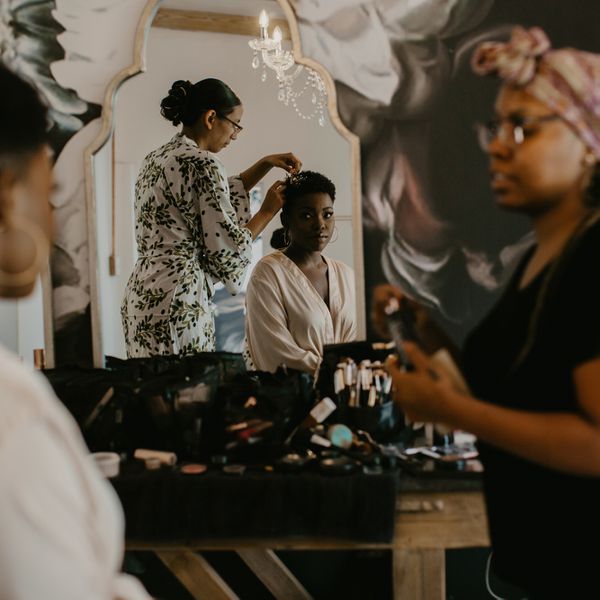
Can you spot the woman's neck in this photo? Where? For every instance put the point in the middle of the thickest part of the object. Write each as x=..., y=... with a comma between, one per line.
x=191, y=133
x=302, y=257
x=554, y=227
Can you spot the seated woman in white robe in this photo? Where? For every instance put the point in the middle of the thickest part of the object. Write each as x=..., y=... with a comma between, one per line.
x=297, y=299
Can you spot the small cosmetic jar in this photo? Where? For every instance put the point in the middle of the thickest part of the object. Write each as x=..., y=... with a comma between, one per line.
x=340, y=435
x=107, y=462
x=152, y=463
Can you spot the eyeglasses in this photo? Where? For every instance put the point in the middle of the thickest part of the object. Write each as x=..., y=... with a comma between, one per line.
x=520, y=127
x=236, y=127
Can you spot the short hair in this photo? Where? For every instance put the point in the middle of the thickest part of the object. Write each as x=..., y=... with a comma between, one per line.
x=306, y=182
x=23, y=118
x=186, y=102
x=297, y=186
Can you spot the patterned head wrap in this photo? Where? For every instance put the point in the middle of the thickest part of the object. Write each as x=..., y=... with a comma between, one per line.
x=566, y=80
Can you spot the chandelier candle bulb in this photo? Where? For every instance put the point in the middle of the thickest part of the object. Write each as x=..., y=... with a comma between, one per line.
x=305, y=93
x=263, y=22
x=277, y=37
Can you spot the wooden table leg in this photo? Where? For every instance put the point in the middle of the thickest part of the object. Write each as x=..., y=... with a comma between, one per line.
x=419, y=574
x=276, y=577
x=196, y=575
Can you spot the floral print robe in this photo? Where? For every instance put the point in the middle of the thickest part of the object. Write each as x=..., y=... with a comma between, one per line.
x=190, y=234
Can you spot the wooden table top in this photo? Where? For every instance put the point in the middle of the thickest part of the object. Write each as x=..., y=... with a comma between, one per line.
x=423, y=520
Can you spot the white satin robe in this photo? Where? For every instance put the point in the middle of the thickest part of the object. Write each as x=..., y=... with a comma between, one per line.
x=288, y=322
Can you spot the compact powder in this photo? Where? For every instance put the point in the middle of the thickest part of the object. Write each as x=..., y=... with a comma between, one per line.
x=193, y=469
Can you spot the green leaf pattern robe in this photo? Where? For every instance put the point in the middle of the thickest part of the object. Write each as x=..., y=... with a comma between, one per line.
x=190, y=234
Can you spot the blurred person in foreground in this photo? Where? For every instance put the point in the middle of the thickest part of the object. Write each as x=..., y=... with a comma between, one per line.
x=61, y=523
x=533, y=364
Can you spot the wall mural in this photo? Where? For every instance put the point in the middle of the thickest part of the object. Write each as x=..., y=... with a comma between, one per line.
x=404, y=87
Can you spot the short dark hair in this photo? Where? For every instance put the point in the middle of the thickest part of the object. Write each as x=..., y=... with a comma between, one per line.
x=186, y=102
x=306, y=182
x=23, y=118
x=297, y=186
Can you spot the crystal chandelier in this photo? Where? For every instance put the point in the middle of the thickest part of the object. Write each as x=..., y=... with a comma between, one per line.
x=269, y=52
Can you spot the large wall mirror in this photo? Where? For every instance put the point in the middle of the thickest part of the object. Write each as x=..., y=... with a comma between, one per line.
x=194, y=39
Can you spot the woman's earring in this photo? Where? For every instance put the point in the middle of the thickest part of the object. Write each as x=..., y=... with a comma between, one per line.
x=286, y=238
x=590, y=164
x=589, y=159
x=41, y=250
x=335, y=231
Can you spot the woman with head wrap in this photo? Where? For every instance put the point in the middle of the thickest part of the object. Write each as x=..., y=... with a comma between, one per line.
x=61, y=523
x=533, y=364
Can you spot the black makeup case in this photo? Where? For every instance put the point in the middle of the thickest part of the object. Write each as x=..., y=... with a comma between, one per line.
x=384, y=421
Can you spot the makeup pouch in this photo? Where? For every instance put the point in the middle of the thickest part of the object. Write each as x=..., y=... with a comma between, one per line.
x=163, y=402
x=376, y=414
x=256, y=411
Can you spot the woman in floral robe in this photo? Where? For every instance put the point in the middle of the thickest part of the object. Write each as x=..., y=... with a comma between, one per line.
x=193, y=223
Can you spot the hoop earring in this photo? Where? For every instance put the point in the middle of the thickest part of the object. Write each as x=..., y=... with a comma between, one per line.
x=286, y=238
x=589, y=159
x=591, y=164
x=337, y=234
x=41, y=245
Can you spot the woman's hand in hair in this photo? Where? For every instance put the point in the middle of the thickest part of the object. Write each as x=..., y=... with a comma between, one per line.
x=287, y=161
x=274, y=199
x=271, y=205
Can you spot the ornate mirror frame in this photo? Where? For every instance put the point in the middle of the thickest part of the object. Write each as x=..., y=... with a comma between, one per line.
x=139, y=66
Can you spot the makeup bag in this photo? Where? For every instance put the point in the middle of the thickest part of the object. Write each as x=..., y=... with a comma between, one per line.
x=256, y=411
x=384, y=421
x=163, y=402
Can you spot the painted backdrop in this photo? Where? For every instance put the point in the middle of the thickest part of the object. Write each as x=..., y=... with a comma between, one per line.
x=404, y=87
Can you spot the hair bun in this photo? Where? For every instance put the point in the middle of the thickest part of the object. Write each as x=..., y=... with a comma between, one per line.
x=174, y=105
x=279, y=239
x=180, y=89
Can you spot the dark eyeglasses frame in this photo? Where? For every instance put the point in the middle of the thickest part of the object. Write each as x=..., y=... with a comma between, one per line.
x=488, y=131
x=236, y=126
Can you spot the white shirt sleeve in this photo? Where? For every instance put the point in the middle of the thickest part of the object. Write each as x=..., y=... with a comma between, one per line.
x=51, y=546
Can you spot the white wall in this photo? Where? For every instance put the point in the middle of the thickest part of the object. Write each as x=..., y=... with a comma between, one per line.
x=22, y=324
x=269, y=127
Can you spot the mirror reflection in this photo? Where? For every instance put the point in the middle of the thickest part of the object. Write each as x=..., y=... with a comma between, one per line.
x=175, y=193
